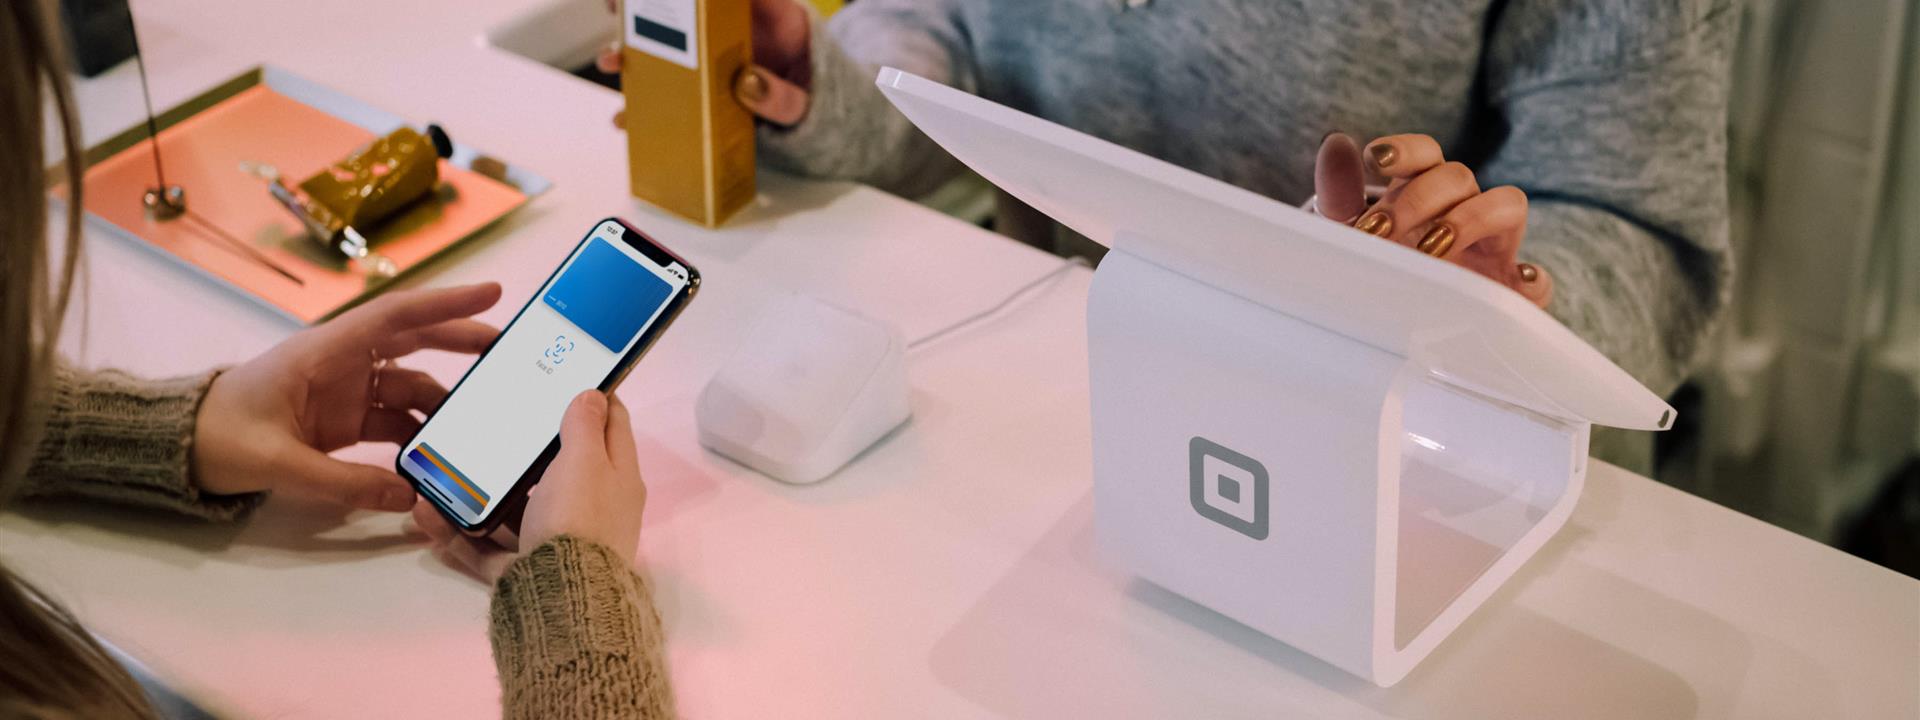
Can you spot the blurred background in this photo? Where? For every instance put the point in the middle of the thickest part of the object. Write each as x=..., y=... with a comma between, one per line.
x=1806, y=413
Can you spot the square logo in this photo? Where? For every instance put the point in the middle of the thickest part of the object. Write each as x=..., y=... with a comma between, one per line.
x=1227, y=487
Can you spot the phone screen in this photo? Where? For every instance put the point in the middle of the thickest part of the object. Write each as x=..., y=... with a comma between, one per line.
x=572, y=336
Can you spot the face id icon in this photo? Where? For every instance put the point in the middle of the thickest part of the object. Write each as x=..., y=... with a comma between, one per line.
x=557, y=353
x=1228, y=488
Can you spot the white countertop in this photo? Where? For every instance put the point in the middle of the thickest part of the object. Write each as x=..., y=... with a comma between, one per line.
x=947, y=573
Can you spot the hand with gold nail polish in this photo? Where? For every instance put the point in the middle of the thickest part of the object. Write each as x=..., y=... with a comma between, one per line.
x=775, y=86
x=1430, y=205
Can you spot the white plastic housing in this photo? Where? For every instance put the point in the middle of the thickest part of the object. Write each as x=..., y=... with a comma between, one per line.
x=810, y=386
x=1335, y=440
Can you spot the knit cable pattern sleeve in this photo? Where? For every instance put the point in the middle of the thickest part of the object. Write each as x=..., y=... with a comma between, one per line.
x=575, y=635
x=114, y=437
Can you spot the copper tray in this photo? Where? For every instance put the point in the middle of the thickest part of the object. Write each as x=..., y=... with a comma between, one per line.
x=271, y=116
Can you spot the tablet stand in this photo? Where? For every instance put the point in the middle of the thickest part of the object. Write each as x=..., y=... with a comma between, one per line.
x=1348, y=501
x=1338, y=441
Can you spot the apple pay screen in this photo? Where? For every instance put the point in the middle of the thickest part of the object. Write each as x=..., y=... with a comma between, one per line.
x=567, y=340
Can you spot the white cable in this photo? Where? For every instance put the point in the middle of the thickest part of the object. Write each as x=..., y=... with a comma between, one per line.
x=1002, y=305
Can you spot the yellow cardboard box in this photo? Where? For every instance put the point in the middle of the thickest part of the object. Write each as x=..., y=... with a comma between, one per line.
x=689, y=143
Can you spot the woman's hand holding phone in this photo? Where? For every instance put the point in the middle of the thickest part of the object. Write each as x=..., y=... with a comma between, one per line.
x=592, y=490
x=269, y=423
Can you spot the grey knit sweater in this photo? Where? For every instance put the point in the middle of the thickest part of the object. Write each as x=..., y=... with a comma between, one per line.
x=1610, y=114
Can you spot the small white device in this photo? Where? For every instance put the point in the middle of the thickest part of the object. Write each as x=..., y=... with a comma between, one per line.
x=1337, y=441
x=810, y=387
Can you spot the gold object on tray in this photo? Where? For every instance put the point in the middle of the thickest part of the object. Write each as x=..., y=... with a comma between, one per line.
x=376, y=181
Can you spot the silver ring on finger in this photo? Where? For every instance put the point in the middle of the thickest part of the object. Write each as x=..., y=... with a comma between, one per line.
x=373, y=387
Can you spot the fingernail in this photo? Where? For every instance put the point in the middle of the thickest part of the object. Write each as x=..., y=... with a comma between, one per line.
x=1383, y=155
x=1437, y=241
x=1376, y=223
x=753, y=88
x=1529, y=273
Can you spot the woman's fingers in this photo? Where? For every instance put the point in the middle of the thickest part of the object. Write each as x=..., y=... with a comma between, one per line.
x=1418, y=202
x=620, y=447
x=1403, y=156
x=403, y=390
x=463, y=335
x=384, y=317
x=388, y=425
x=483, y=559
x=411, y=309
x=1436, y=207
x=781, y=35
x=399, y=393
x=478, y=558
x=583, y=429
x=782, y=38
x=1534, y=283
x=1483, y=234
x=1486, y=231
x=761, y=91
x=1339, y=179
x=361, y=486
x=430, y=522
x=769, y=96
x=609, y=60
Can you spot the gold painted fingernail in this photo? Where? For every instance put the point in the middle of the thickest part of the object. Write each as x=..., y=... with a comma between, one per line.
x=1376, y=223
x=753, y=88
x=1529, y=273
x=1437, y=241
x=1383, y=155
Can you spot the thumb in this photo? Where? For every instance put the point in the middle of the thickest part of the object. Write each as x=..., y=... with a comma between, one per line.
x=584, y=427
x=1340, y=179
x=479, y=558
x=773, y=98
x=352, y=484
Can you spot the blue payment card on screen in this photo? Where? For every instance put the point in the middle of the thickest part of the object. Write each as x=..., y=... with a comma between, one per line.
x=607, y=295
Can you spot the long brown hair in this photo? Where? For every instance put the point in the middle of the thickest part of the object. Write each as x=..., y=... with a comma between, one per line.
x=32, y=66
x=49, y=665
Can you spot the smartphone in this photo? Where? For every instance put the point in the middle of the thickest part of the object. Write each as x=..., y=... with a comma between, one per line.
x=479, y=452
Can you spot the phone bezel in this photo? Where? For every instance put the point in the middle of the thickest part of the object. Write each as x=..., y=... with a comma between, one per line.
x=510, y=502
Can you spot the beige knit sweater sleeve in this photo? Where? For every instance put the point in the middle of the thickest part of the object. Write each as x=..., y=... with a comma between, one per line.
x=574, y=632
x=114, y=437
x=575, y=635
